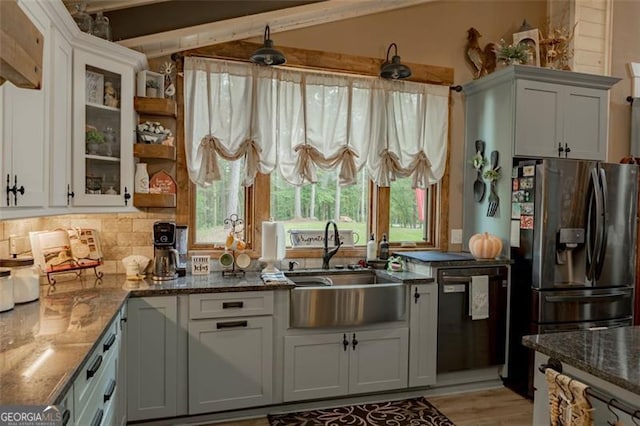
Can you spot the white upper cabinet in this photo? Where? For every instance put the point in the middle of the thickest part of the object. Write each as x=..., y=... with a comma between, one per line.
x=103, y=131
x=45, y=165
x=559, y=120
x=60, y=105
x=23, y=164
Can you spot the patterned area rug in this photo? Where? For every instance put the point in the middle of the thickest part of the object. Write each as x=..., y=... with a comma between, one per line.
x=409, y=412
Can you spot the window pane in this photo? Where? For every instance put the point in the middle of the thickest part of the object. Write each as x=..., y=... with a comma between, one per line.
x=410, y=212
x=219, y=201
x=309, y=207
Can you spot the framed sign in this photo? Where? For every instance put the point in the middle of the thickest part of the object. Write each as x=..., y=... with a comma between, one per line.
x=94, y=87
x=531, y=39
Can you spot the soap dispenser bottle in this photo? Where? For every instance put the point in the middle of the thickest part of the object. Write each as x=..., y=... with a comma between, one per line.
x=384, y=248
x=371, y=249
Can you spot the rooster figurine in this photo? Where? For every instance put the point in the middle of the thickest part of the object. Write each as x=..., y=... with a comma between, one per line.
x=484, y=61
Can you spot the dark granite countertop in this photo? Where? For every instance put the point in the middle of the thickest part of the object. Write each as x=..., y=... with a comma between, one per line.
x=449, y=259
x=612, y=354
x=67, y=322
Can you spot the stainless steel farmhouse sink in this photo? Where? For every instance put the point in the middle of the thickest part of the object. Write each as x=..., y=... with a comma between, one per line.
x=344, y=298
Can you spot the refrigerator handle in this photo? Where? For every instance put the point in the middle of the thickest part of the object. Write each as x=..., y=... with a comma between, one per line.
x=604, y=228
x=593, y=247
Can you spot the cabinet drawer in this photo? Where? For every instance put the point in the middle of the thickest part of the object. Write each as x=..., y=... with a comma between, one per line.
x=220, y=305
x=93, y=369
x=101, y=396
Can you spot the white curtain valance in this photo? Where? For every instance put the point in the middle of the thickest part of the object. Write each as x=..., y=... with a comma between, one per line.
x=296, y=121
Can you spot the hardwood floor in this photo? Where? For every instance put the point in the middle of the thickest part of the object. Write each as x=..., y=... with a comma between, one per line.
x=495, y=407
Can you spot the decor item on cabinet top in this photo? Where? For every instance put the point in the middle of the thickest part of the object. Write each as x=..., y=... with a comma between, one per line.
x=102, y=27
x=555, y=47
x=485, y=246
x=529, y=38
x=154, y=132
x=509, y=54
x=162, y=183
x=110, y=95
x=482, y=60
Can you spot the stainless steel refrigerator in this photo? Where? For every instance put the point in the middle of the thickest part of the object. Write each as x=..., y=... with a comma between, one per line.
x=574, y=232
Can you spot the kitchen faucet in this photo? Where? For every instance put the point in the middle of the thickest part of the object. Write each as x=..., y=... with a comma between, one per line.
x=326, y=253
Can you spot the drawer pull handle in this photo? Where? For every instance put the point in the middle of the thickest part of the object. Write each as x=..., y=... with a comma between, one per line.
x=110, y=389
x=107, y=345
x=91, y=371
x=66, y=415
x=231, y=324
x=229, y=305
x=97, y=418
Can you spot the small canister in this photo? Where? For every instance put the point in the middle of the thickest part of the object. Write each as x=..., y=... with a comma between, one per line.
x=6, y=290
x=26, y=280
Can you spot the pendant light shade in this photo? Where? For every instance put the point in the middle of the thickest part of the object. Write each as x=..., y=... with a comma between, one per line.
x=394, y=70
x=267, y=55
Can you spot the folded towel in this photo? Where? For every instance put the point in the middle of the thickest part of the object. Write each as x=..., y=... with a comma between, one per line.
x=274, y=278
x=479, y=297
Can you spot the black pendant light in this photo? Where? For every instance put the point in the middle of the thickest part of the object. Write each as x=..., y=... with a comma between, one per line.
x=267, y=55
x=394, y=70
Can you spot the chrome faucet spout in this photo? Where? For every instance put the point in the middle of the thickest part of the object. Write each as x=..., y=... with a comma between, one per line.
x=326, y=253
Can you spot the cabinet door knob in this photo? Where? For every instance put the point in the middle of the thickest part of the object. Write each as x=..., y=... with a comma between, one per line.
x=354, y=341
x=560, y=149
x=127, y=196
x=567, y=150
x=345, y=342
x=416, y=295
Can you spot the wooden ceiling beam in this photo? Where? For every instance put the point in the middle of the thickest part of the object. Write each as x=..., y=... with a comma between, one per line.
x=244, y=27
x=329, y=61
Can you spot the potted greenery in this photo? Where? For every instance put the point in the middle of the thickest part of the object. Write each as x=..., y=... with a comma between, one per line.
x=95, y=140
x=152, y=88
x=512, y=54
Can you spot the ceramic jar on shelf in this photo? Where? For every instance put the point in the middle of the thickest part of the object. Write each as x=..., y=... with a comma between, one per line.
x=141, y=179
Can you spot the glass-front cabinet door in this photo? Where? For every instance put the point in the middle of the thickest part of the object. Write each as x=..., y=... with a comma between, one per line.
x=103, y=131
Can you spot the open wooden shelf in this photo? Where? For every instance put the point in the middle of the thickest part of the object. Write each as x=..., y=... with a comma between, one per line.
x=146, y=150
x=155, y=106
x=154, y=200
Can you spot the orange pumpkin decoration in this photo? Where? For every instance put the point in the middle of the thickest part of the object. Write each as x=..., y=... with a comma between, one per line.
x=485, y=246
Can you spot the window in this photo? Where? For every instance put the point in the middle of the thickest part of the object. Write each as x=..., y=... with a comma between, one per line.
x=309, y=207
x=215, y=203
x=330, y=147
x=412, y=213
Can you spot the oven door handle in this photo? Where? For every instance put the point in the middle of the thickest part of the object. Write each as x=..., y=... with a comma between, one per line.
x=557, y=299
x=454, y=279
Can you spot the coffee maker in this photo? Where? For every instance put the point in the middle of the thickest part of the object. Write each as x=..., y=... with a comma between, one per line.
x=165, y=260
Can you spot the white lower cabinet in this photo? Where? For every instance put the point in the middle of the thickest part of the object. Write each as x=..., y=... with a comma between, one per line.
x=230, y=350
x=230, y=363
x=334, y=364
x=95, y=388
x=423, y=340
x=66, y=408
x=152, y=357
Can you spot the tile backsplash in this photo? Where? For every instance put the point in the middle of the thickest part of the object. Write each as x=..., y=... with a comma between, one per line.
x=121, y=234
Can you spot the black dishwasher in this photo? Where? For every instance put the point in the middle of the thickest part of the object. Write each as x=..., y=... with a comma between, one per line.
x=465, y=343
